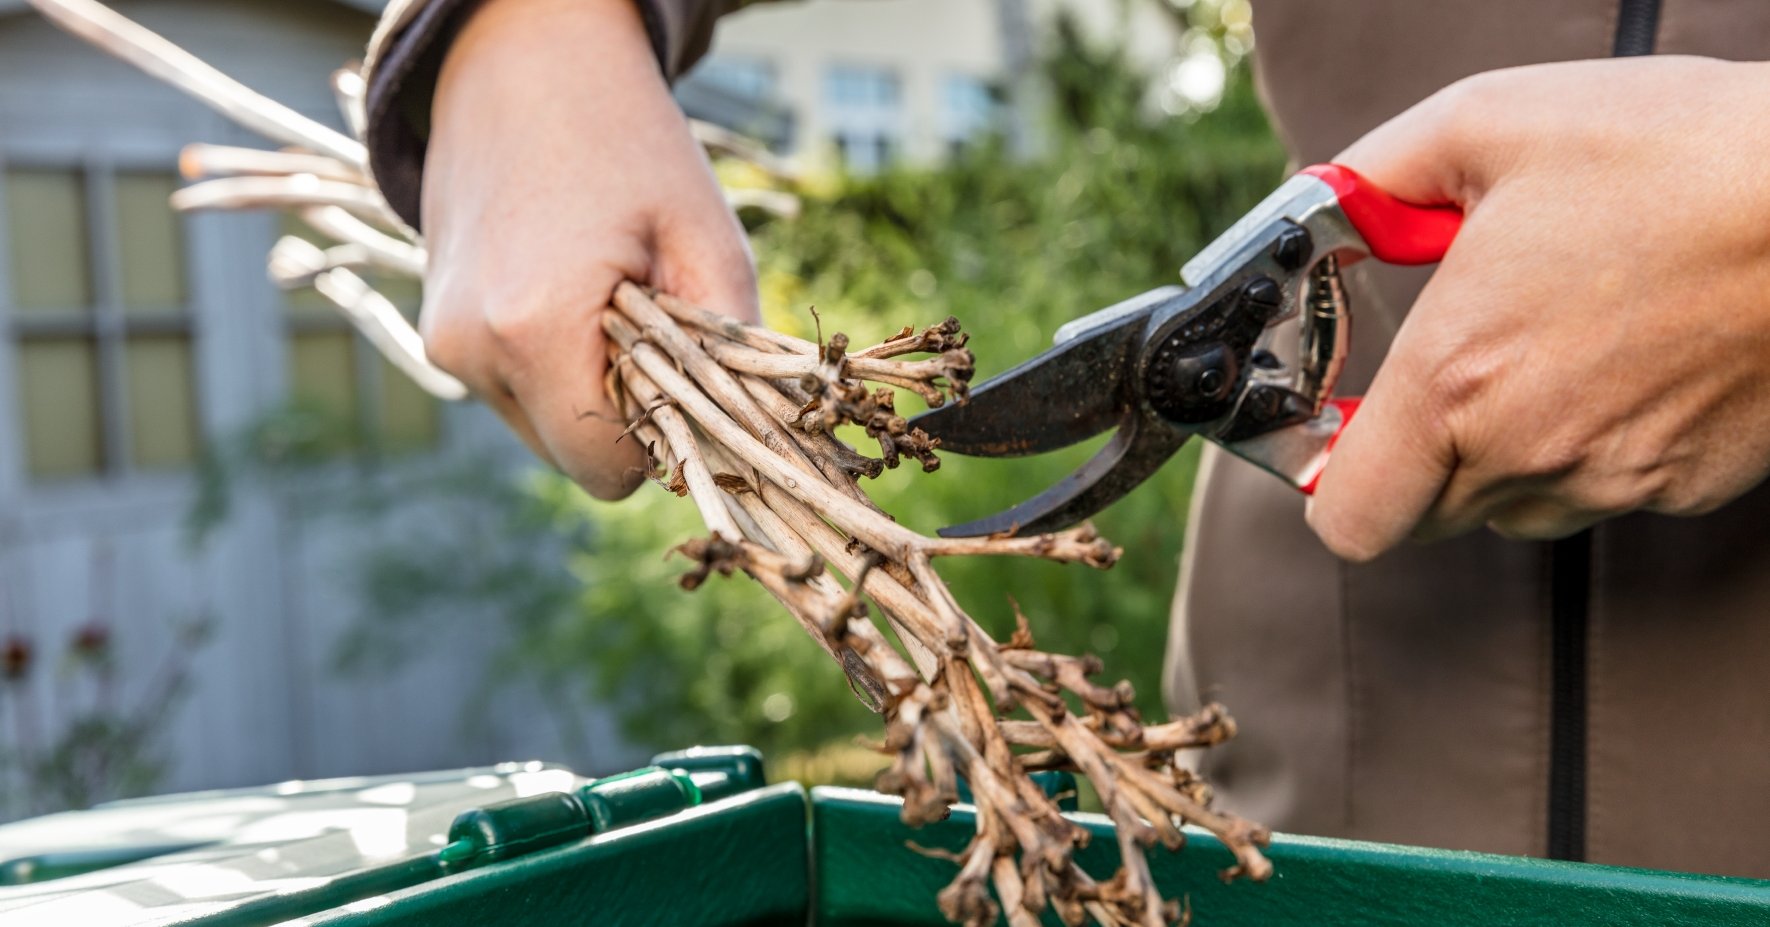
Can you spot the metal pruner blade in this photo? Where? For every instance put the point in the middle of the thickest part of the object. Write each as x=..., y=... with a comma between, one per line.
x=1136, y=451
x=1080, y=388
x=1070, y=393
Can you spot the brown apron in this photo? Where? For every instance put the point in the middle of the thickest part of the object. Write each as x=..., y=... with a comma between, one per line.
x=1603, y=698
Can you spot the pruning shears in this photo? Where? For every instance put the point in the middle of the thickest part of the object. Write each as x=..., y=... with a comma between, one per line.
x=1218, y=357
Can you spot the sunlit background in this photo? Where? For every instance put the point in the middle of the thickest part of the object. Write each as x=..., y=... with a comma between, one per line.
x=237, y=547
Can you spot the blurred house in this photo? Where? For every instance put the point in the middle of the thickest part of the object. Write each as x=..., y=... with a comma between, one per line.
x=865, y=84
x=132, y=339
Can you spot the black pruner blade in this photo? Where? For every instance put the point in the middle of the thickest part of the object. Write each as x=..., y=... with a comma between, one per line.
x=1072, y=392
x=1136, y=451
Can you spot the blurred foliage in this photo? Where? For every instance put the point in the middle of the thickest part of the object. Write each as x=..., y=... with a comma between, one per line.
x=1113, y=206
x=74, y=736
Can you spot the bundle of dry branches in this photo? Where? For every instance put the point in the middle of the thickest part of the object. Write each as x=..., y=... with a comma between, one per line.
x=740, y=420
x=744, y=421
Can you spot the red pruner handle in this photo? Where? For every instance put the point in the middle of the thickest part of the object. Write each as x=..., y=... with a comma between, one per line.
x=1347, y=406
x=1397, y=232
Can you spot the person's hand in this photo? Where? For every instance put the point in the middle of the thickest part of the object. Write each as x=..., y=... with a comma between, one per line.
x=559, y=166
x=1597, y=340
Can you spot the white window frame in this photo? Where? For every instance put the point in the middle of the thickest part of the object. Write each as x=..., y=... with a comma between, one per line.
x=105, y=320
x=239, y=327
x=142, y=138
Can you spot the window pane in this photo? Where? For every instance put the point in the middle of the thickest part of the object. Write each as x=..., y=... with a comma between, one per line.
x=746, y=78
x=152, y=245
x=162, y=416
x=58, y=380
x=46, y=224
x=967, y=107
x=322, y=375
x=409, y=416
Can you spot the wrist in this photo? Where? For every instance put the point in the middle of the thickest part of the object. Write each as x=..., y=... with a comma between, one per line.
x=542, y=103
x=526, y=77
x=579, y=38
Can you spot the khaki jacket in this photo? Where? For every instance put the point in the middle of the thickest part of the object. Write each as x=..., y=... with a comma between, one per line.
x=1603, y=698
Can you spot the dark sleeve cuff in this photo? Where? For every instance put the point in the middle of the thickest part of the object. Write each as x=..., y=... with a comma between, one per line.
x=402, y=83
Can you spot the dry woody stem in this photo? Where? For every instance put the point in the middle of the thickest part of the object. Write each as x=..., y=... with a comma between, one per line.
x=751, y=426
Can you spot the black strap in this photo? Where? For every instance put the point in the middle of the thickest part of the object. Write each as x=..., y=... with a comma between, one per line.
x=1637, y=28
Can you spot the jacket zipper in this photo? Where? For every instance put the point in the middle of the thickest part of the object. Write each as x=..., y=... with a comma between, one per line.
x=1570, y=585
x=1637, y=28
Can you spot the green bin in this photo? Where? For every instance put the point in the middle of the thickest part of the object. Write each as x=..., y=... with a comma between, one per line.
x=698, y=839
